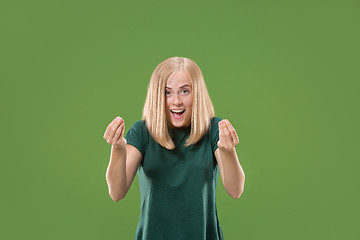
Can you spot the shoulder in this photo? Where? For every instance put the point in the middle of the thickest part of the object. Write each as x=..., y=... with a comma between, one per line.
x=214, y=132
x=140, y=124
x=214, y=127
x=138, y=136
x=216, y=120
x=138, y=128
x=214, y=124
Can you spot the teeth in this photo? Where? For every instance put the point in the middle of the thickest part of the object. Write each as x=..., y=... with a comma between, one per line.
x=177, y=111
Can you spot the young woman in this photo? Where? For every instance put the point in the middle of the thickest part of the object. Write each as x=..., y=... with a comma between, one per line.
x=177, y=149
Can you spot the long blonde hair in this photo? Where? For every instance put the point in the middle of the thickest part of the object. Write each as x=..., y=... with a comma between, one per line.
x=154, y=113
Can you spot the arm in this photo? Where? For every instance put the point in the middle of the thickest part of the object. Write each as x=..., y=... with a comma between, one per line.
x=232, y=174
x=122, y=170
x=124, y=160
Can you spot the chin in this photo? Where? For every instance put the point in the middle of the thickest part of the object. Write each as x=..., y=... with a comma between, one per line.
x=178, y=124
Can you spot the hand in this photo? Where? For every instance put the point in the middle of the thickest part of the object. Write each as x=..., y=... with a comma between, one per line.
x=228, y=138
x=114, y=133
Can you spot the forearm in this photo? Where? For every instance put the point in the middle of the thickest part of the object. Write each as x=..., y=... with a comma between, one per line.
x=116, y=174
x=234, y=176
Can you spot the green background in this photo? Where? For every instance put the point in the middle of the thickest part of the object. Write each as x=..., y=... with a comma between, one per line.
x=285, y=74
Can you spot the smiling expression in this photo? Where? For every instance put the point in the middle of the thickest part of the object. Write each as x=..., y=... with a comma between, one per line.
x=179, y=98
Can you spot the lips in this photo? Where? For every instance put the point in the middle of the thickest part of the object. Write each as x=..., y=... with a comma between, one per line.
x=177, y=114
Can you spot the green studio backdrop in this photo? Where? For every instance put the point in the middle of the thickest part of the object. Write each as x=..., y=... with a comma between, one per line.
x=283, y=73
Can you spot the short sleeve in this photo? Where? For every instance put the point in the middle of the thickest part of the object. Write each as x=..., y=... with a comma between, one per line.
x=214, y=132
x=136, y=136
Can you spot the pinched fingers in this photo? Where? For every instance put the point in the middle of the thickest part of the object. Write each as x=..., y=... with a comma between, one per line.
x=225, y=139
x=112, y=128
x=119, y=133
x=232, y=131
x=224, y=132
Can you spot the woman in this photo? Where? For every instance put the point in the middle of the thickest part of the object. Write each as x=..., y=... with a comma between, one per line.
x=177, y=149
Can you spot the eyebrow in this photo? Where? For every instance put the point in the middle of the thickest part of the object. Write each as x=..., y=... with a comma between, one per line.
x=186, y=85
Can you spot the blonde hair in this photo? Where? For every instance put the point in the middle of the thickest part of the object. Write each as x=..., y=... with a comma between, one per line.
x=154, y=113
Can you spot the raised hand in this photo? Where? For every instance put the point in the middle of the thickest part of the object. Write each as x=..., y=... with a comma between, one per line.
x=228, y=138
x=114, y=133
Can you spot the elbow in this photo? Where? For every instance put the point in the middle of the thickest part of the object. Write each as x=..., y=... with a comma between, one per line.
x=117, y=198
x=236, y=195
x=236, y=191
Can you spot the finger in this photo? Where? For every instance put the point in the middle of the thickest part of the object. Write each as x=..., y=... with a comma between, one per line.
x=122, y=130
x=232, y=132
x=221, y=130
x=116, y=124
x=117, y=133
x=108, y=128
x=115, y=121
x=113, y=126
x=227, y=134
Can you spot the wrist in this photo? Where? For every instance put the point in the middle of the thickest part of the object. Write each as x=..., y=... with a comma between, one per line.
x=118, y=148
x=227, y=151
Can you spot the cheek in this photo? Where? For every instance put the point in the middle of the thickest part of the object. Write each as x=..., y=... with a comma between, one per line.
x=188, y=102
x=167, y=105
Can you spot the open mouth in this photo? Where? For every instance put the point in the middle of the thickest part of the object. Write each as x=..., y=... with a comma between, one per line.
x=177, y=113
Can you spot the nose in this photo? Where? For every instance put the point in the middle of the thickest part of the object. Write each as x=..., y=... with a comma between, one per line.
x=177, y=100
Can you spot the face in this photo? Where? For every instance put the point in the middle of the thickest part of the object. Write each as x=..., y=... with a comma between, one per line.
x=179, y=98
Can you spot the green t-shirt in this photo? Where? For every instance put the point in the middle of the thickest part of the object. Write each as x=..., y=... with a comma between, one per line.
x=177, y=187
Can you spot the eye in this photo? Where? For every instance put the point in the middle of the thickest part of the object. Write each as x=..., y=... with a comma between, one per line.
x=185, y=91
x=167, y=92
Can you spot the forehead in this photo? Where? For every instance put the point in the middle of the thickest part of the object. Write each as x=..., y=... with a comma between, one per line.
x=178, y=79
